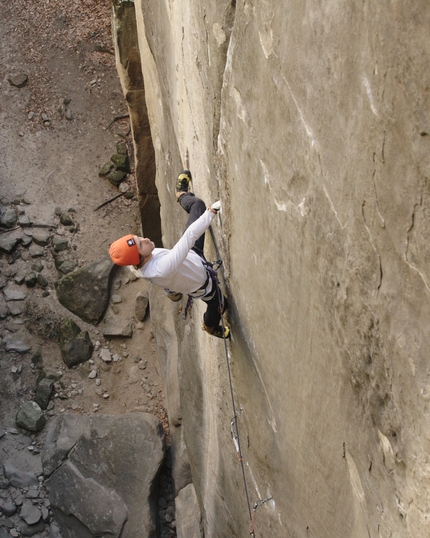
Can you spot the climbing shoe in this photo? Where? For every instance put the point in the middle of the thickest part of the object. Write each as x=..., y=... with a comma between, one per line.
x=183, y=181
x=173, y=296
x=218, y=332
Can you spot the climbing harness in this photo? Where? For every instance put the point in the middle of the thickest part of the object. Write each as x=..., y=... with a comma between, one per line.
x=211, y=270
x=188, y=306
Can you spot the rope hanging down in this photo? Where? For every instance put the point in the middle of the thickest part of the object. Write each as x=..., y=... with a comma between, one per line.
x=234, y=425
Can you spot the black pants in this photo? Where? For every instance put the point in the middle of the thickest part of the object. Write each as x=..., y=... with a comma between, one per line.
x=195, y=208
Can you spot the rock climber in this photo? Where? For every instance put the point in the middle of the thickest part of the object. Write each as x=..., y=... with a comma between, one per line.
x=182, y=269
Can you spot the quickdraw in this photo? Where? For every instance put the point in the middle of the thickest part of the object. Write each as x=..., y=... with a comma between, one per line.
x=256, y=505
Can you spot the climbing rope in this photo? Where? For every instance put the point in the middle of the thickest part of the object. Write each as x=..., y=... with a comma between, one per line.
x=233, y=424
x=213, y=271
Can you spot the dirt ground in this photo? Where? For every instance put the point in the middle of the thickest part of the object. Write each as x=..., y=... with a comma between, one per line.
x=49, y=161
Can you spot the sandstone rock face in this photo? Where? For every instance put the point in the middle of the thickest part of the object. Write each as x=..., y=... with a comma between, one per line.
x=130, y=73
x=101, y=474
x=310, y=121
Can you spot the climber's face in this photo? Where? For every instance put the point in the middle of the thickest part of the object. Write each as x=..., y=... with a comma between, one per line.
x=145, y=247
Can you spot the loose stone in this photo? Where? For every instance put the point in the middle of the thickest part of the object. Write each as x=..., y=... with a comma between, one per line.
x=105, y=355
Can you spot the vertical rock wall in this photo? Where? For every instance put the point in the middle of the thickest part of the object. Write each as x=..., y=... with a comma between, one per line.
x=310, y=121
x=129, y=68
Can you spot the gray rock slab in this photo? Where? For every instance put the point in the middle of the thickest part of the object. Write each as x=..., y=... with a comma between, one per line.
x=107, y=479
x=16, y=308
x=44, y=392
x=141, y=305
x=96, y=505
x=85, y=292
x=35, y=251
x=30, y=513
x=188, y=514
x=8, y=217
x=14, y=326
x=17, y=343
x=114, y=326
x=54, y=531
x=18, y=478
x=30, y=417
x=76, y=345
x=8, y=508
x=4, y=310
x=60, y=243
x=67, y=266
x=24, y=221
x=41, y=236
x=49, y=223
x=13, y=294
x=31, y=530
x=8, y=243
x=19, y=80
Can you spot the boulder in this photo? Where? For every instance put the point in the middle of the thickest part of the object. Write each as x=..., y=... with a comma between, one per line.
x=9, y=242
x=121, y=162
x=17, y=344
x=44, y=392
x=85, y=292
x=30, y=513
x=19, y=80
x=76, y=345
x=8, y=217
x=37, y=266
x=24, y=221
x=41, y=237
x=8, y=508
x=54, y=531
x=37, y=359
x=31, y=279
x=105, y=169
x=114, y=326
x=188, y=516
x=36, y=251
x=13, y=294
x=121, y=148
x=18, y=478
x=115, y=177
x=66, y=219
x=67, y=266
x=60, y=243
x=141, y=305
x=30, y=417
x=30, y=530
x=105, y=486
x=42, y=281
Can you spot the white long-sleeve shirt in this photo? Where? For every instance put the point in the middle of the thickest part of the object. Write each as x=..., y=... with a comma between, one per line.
x=180, y=269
